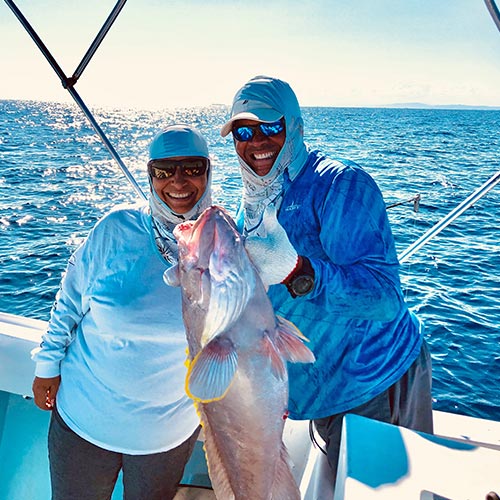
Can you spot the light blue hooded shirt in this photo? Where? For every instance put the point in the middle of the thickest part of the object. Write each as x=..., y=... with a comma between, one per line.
x=362, y=334
x=116, y=334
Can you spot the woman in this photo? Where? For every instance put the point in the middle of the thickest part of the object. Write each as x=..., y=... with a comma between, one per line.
x=111, y=365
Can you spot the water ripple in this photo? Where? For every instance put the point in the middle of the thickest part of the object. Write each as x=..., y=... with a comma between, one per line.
x=57, y=179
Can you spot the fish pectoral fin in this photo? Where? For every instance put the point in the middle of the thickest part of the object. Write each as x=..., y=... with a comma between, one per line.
x=171, y=276
x=212, y=370
x=278, y=366
x=228, y=299
x=290, y=343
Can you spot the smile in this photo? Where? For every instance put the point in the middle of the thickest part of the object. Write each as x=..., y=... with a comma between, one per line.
x=264, y=156
x=179, y=196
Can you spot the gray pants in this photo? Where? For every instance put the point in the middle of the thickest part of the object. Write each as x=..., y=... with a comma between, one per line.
x=407, y=403
x=80, y=470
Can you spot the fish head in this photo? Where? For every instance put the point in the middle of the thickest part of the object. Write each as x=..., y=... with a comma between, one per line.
x=216, y=275
x=212, y=242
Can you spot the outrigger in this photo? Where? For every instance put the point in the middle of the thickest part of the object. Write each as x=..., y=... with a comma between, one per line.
x=380, y=461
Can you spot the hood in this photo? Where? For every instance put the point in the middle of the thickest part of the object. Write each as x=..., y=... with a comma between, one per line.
x=268, y=99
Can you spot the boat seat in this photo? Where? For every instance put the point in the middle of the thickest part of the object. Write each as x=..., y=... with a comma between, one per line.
x=383, y=461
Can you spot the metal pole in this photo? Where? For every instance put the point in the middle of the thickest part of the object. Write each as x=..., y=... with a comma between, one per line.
x=476, y=195
x=98, y=39
x=106, y=142
x=448, y=219
x=68, y=83
x=493, y=10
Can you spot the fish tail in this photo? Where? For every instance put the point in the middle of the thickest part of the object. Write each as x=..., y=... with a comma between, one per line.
x=290, y=343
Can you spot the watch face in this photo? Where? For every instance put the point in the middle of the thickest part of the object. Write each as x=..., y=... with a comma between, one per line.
x=302, y=285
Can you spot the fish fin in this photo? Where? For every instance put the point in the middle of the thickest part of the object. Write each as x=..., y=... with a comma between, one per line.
x=284, y=486
x=290, y=343
x=171, y=276
x=228, y=299
x=212, y=370
x=278, y=366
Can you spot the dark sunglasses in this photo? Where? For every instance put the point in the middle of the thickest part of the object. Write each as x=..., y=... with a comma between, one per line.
x=164, y=169
x=245, y=133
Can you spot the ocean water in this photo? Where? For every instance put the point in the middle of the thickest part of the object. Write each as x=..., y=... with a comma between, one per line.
x=57, y=179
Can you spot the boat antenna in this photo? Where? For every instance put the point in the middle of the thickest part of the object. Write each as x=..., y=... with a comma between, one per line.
x=471, y=199
x=69, y=82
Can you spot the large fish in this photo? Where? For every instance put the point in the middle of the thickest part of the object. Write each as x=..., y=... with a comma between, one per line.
x=237, y=357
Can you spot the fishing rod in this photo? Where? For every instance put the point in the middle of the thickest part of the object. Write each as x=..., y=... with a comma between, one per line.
x=69, y=82
x=415, y=199
x=448, y=219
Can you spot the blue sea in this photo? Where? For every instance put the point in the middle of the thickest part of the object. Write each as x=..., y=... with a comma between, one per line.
x=57, y=180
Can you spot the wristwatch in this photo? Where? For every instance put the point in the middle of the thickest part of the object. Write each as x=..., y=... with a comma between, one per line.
x=301, y=282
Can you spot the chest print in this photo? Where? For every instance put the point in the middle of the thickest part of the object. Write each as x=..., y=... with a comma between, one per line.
x=293, y=206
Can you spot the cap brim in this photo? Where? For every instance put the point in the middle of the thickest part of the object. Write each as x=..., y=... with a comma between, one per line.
x=265, y=115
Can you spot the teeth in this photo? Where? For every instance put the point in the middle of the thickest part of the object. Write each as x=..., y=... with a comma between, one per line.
x=179, y=196
x=263, y=156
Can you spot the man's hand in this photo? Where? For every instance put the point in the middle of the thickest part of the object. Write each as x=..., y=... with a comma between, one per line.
x=273, y=255
x=45, y=390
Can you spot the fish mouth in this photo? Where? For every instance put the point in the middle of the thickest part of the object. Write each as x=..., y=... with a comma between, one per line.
x=215, y=221
x=208, y=238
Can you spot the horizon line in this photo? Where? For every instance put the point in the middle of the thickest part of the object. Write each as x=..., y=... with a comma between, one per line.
x=397, y=105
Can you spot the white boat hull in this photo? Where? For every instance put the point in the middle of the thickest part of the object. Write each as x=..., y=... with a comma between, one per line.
x=24, y=463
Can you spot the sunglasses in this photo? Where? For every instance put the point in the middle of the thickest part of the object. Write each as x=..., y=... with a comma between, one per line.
x=245, y=133
x=164, y=169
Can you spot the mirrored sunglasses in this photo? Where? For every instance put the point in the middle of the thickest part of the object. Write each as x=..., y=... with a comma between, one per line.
x=245, y=133
x=164, y=169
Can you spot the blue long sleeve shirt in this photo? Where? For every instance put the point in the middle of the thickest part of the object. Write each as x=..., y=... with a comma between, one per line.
x=358, y=325
x=117, y=339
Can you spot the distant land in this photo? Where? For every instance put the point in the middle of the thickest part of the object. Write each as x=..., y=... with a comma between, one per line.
x=421, y=105
x=408, y=105
x=397, y=105
x=412, y=105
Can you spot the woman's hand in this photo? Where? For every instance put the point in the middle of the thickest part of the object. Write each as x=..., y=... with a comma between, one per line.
x=45, y=390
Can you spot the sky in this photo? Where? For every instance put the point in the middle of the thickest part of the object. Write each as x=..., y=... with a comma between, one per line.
x=184, y=53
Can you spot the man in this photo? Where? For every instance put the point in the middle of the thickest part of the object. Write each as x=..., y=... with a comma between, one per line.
x=318, y=232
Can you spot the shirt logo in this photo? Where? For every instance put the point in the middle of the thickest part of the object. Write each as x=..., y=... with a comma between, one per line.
x=291, y=207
